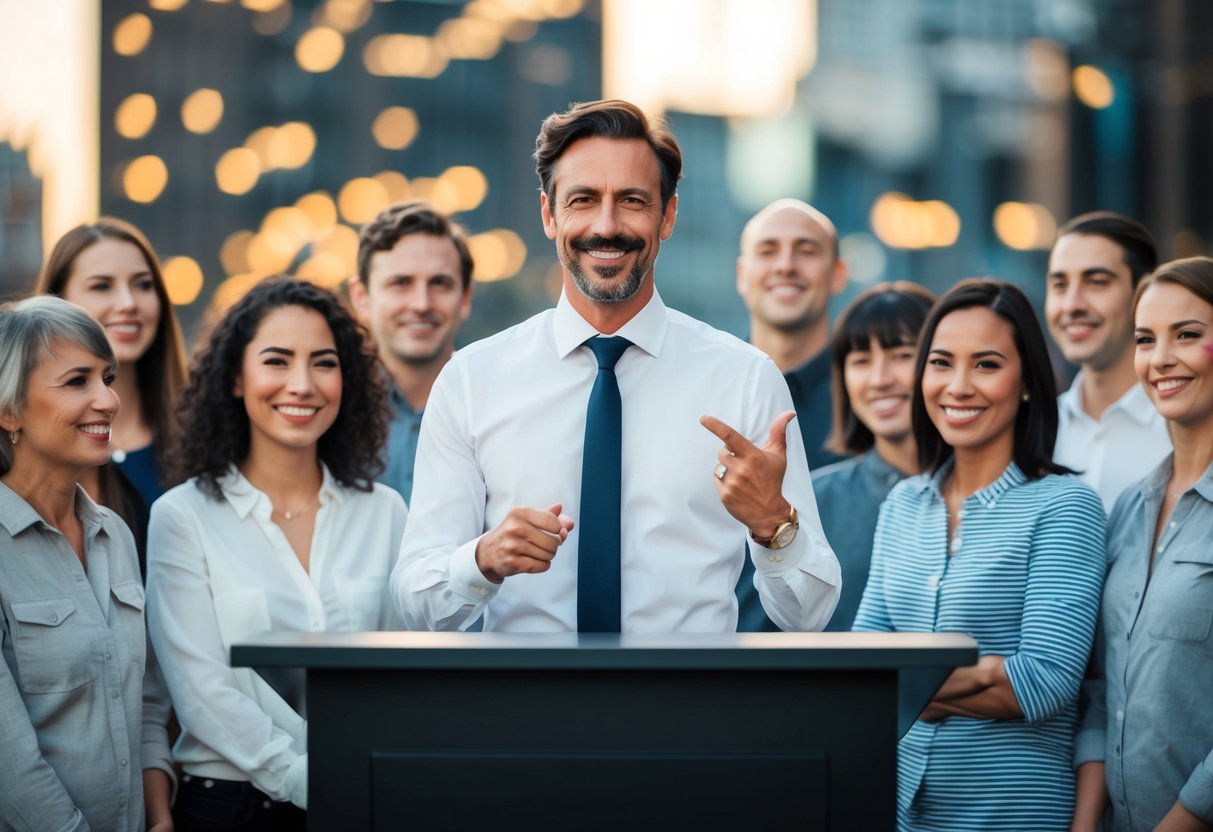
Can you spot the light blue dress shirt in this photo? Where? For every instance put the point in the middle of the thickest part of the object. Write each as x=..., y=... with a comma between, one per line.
x=401, y=448
x=1154, y=729
x=1023, y=579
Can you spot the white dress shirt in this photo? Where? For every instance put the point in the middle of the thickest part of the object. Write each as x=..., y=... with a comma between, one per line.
x=504, y=427
x=1115, y=451
x=220, y=571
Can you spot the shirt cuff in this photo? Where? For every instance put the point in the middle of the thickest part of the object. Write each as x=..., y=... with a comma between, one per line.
x=1197, y=794
x=467, y=581
x=1090, y=746
x=296, y=782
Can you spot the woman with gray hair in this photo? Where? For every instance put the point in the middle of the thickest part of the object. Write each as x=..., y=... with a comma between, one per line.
x=76, y=724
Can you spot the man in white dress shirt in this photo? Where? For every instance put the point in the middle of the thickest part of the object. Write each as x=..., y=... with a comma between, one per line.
x=707, y=460
x=1108, y=430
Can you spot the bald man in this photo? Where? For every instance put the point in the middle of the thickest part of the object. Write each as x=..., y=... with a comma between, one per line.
x=788, y=270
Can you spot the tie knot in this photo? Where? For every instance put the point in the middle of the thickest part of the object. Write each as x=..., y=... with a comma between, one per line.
x=608, y=350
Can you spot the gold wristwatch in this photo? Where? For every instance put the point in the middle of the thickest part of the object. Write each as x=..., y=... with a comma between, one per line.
x=784, y=534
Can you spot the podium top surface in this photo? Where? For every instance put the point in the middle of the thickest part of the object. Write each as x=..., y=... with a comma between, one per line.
x=572, y=651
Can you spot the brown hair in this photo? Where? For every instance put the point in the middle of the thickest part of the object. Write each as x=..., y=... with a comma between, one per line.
x=1135, y=241
x=1192, y=273
x=402, y=219
x=161, y=370
x=610, y=119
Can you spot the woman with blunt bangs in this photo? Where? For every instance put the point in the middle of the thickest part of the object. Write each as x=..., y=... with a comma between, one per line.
x=996, y=541
x=1145, y=752
x=82, y=709
x=874, y=346
x=280, y=526
x=110, y=269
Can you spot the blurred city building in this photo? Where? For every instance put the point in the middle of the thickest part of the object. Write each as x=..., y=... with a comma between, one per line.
x=946, y=138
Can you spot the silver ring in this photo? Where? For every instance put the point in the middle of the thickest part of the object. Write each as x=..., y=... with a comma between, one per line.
x=720, y=470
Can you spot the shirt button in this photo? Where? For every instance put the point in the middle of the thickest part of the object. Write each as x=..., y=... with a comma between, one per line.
x=1136, y=594
x=1118, y=749
x=265, y=804
x=108, y=657
x=113, y=694
x=122, y=762
x=933, y=581
x=54, y=617
x=1120, y=715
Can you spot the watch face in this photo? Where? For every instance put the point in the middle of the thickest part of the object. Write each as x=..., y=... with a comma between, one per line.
x=784, y=537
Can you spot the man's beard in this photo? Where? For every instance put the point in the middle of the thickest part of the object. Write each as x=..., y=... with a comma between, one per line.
x=607, y=290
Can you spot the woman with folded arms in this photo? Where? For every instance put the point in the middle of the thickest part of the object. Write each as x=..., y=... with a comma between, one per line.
x=76, y=724
x=873, y=350
x=996, y=541
x=280, y=527
x=109, y=268
x=1145, y=752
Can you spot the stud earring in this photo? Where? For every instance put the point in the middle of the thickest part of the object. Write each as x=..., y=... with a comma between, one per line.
x=1025, y=397
x=14, y=436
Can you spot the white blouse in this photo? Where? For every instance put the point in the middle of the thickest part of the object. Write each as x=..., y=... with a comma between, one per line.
x=220, y=571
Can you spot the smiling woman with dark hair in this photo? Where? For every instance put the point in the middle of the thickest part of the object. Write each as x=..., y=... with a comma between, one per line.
x=280, y=528
x=996, y=541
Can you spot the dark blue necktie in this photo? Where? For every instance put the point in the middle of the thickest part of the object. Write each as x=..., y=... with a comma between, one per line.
x=598, y=569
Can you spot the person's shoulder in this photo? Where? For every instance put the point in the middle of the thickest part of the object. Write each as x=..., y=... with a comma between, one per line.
x=837, y=474
x=1065, y=494
x=380, y=497
x=706, y=336
x=189, y=496
x=497, y=345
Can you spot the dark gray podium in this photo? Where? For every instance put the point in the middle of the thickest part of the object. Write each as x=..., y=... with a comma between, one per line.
x=475, y=731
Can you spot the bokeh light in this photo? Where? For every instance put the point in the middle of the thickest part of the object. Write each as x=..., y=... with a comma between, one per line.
x=144, y=178
x=182, y=280
x=899, y=221
x=396, y=184
x=320, y=210
x=1024, y=226
x=1093, y=87
x=202, y=110
x=405, y=56
x=234, y=252
x=319, y=49
x=498, y=254
x=361, y=199
x=135, y=116
x=395, y=128
x=132, y=34
x=237, y=171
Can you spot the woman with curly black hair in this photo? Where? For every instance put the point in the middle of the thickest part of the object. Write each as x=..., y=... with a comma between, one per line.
x=280, y=527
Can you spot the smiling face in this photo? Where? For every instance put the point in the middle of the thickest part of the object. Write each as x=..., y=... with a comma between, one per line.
x=1174, y=358
x=69, y=407
x=608, y=222
x=973, y=380
x=788, y=271
x=290, y=380
x=414, y=300
x=1089, y=304
x=113, y=282
x=880, y=383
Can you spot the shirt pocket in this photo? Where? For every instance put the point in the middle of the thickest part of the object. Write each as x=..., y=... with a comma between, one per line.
x=241, y=614
x=130, y=598
x=1188, y=581
x=362, y=601
x=55, y=649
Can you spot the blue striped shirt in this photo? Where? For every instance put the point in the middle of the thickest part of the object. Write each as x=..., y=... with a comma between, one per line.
x=1024, y=581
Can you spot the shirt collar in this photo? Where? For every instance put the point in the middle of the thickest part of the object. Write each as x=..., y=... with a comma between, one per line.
x=1134, y=403
x=646, y=329
x=16, y=515
x=1010, y=477
x=1155, y=482
x=243, y=496
x=876, y=471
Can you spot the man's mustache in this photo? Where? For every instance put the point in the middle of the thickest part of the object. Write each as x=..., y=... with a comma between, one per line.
x=620, y=242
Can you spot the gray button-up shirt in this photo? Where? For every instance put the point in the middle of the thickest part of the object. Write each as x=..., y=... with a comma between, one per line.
x=1153, y=725
x=75, y=730
x=849, y=496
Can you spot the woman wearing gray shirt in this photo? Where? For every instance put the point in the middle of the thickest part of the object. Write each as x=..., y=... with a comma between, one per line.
x=872, y=354
x=1145, y=750
x=81, y=746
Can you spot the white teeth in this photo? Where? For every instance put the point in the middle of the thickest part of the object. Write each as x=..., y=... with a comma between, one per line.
x=419, y=325
x=607, y=255
x=962, y=412
x=98, y=430
x=125, y=329
x=887, y=402
x=1171, y=383
x=288, y=410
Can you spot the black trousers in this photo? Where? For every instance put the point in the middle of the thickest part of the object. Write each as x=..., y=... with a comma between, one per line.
x=205, y=804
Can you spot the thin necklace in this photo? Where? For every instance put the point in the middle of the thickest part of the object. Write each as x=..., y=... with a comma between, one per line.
x=289, y=515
